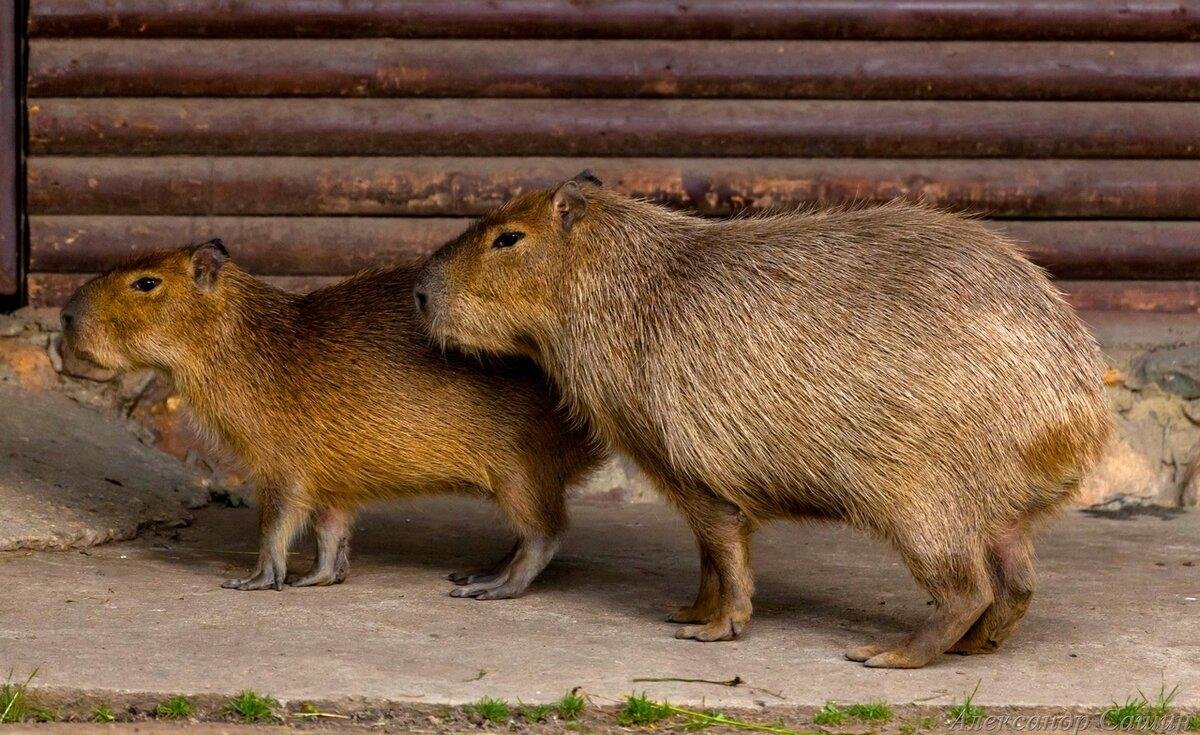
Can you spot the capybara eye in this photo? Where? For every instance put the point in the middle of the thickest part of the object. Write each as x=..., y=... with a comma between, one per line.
x=507, y=239
x=146, y=283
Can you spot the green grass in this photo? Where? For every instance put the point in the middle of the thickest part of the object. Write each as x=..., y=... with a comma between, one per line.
x=1141, y=712
x=870, y=712
x=251, y=706
x=536, y=712
x=175, y=708
x=15, y=705
x=1192, y=722
x=640, y=710
x=495, y=711
x=966, y=712
x=830, y=714
x=571, y=706
x=909, y=727
x=103, y=713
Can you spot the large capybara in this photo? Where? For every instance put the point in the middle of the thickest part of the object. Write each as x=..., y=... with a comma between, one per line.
x=335, y=399
x=898, y=368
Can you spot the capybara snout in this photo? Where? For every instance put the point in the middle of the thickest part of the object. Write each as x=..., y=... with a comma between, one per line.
x=899, y=368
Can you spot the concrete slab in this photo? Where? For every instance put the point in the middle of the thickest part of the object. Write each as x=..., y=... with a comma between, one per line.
x=71, y=477
x=1116, y=611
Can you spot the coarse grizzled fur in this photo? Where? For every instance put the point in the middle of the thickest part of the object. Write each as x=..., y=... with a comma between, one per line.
x=898, y=368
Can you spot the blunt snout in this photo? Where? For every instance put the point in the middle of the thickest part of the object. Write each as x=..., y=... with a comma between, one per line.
x=427, y=288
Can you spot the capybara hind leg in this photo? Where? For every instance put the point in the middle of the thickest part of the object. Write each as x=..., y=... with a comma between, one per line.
x=723, y=533
x=1011, y=561
x=486, y=574
x=705, y=607
x=333, y=549
x=537, y=508
x=961, y=592
x=280, y=519
x=533, y=554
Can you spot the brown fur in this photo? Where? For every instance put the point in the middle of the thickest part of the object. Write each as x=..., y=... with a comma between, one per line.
x=899, y=368
x=335, y=399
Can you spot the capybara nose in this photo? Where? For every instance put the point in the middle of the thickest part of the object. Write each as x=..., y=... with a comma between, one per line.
x=422, y=299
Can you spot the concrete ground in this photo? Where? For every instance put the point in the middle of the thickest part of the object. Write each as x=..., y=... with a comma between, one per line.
x=1116, y=611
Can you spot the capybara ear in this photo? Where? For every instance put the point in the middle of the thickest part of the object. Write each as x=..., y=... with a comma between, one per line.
x=587, y=177
x=569, y=204
x=207, y=259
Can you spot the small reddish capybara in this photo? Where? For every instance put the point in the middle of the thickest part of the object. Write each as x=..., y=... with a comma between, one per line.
x=335, y=399
x=898, y=368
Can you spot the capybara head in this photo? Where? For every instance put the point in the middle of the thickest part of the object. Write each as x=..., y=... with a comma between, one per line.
x=488, y=290
x=146, y=312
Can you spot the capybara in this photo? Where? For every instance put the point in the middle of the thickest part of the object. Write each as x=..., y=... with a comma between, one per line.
x=334, y=399
x=895, y=367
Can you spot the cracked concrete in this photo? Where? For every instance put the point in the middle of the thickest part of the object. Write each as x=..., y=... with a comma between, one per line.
x=1116, y=611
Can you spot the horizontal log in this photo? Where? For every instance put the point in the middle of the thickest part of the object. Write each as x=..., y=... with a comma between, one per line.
x=471, y=186
x=1087, y=249
x=272, y=245
x=880, y=19
x=532, y=127
x=1165, y=297
x=746, y=69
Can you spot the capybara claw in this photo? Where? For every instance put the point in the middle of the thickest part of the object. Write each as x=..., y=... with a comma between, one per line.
x=894, y=660
x=313, y=580
x=861, y=654
x=718, y=630
x=266, y=579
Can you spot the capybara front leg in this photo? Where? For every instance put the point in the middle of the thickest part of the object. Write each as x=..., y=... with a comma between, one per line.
x=961, y=592
x=723, y=533
x=333, y=549
x=1010, y=559
x=280, y=519
x=707, y=598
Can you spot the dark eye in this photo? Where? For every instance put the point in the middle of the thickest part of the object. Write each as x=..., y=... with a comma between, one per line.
x=146, y=283
x=508, y=239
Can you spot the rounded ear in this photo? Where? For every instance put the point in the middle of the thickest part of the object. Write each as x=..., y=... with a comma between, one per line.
x=569, y=204
x=207, y=259
x=587, y=177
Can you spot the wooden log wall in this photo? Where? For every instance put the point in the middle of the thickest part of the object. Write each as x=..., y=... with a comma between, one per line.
x=321, y=137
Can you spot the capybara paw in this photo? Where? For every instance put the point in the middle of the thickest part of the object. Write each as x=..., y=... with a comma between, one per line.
x=690, y=614
x=862, y=653
x=314, y=579
x=898, y=659
x=465, y=578
x=722, y=629
x=264, y=580
x=971, y=647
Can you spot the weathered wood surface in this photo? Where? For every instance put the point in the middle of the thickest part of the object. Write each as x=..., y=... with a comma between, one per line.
x=879, y=19
x=533, y=127
x=87, y=67
x=10, y=157
x=329, y=246
x=1172, y=297
x=189, y=185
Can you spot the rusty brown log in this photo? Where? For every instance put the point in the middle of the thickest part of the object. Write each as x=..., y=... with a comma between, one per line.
x=470, y=186
x=270, y=245
x=713, y=69
x=1078, y=249
x=532, y=127
x=879, y=19
x=1110, y=249
x=1165, y=297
